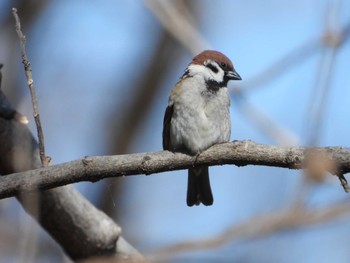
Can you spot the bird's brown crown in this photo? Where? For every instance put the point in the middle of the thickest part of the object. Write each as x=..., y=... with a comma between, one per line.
x=216, y=56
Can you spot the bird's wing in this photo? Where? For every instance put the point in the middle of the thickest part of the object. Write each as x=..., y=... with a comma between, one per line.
x=166, y=126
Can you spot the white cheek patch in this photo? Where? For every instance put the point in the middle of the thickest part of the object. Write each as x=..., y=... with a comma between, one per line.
x=216, y=72
x=195, y=69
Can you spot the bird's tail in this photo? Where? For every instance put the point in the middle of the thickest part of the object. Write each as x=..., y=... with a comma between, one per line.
x=198, y=188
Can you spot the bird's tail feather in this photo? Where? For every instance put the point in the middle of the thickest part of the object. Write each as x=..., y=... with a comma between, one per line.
x=198, y=188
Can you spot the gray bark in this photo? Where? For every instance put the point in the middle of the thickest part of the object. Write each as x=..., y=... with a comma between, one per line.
x=239, y=153
x=79, y=228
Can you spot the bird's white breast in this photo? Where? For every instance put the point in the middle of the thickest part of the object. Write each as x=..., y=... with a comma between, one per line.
x=201, y=117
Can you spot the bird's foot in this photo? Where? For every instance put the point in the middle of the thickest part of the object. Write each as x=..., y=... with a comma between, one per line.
x=196, y=158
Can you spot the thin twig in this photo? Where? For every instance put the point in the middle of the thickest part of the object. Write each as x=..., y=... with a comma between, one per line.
x=28, y=71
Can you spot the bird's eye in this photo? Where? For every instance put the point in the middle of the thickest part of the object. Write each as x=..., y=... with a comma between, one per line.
x=223, y=64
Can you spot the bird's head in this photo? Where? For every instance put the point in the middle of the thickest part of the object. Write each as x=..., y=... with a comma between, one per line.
x=214, y=67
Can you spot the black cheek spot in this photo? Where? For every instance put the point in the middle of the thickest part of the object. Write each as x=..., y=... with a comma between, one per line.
x=212, y=68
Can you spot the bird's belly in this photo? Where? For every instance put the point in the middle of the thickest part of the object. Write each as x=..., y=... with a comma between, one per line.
x=195, y=130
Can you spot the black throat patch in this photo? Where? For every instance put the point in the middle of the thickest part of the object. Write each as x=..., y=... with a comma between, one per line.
x=214, y=86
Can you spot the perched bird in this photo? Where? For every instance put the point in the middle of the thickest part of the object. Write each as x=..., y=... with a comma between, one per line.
x=198, y=116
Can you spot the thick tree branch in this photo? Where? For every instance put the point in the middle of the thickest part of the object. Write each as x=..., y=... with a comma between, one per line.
x=79, y=228
x=239, y=153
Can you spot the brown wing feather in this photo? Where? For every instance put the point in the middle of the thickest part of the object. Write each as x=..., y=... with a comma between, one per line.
x=166, y=127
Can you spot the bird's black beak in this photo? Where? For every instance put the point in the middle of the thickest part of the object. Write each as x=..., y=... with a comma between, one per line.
x=233, y=75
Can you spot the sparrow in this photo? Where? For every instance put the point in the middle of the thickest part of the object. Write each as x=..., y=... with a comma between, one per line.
x=198, y=116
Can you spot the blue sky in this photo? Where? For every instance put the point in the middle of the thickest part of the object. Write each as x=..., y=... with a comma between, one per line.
x=84, y=56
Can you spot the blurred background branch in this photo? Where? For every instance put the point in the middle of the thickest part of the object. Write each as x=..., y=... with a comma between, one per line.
x=258, y=227
x=111, y=68
x=177, y=19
